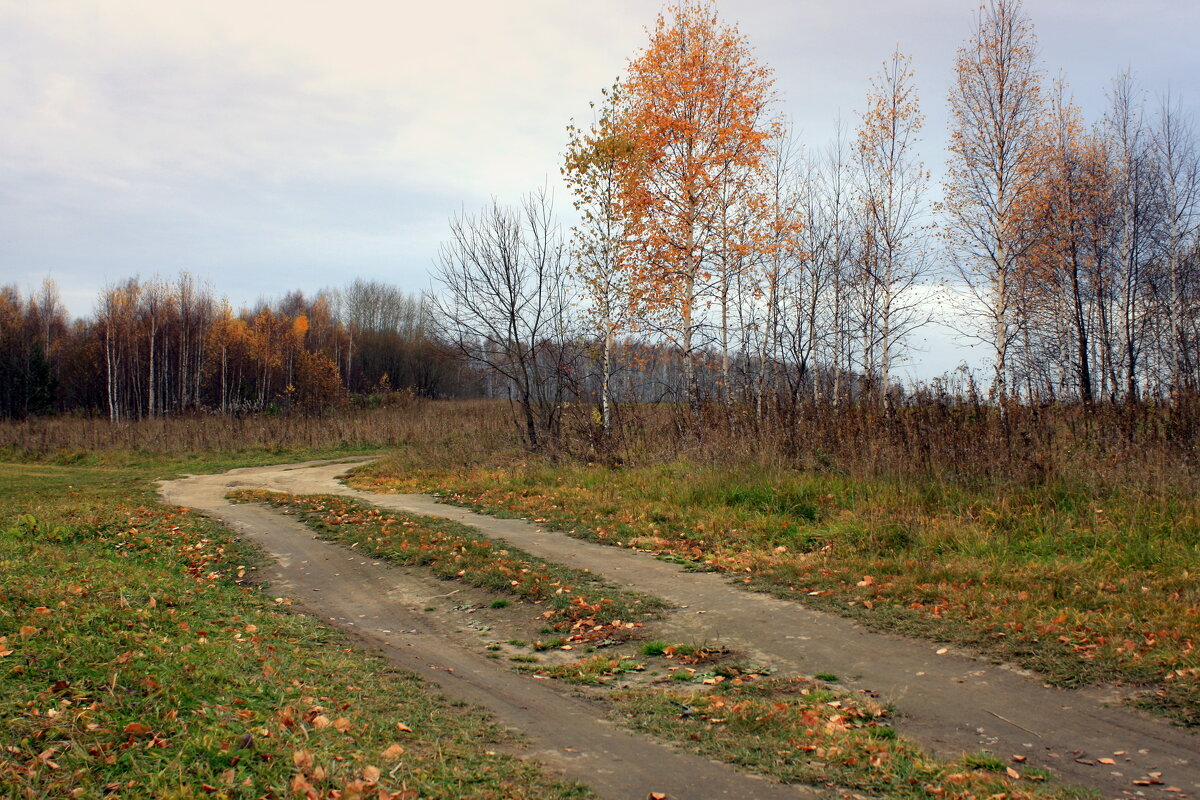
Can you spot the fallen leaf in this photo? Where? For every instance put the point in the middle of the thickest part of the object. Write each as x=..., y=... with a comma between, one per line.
x=394, y=751
x=27, y=631
x=1012, y=773
x=656, y=796
x=341, y=725
x=302, y=759
x=371, y=774
x=320, y=722
x=1109, y=761
x=1020, y=759
x=136, y=729
x=404, y=727
x=301, y=786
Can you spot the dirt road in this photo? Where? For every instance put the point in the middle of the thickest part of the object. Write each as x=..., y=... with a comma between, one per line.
x=951, y=702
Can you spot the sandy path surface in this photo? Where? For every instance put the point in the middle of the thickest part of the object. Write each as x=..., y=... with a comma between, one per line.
x=950, y=701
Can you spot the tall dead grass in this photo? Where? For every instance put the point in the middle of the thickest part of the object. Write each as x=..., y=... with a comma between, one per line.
x=928, y=439
x=436, y=425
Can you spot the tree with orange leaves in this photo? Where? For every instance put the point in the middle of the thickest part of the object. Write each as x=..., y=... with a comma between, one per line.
x=1062, y=273
x=699, y=112
x=995, y=162
x=598, y=165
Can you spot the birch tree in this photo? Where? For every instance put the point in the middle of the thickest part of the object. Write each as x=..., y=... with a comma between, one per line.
x=995, y=106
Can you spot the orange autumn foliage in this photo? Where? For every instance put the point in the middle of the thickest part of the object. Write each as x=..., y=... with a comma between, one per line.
x=699, y=114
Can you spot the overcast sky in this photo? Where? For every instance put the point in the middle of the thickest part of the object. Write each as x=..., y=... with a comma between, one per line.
x=268, y=146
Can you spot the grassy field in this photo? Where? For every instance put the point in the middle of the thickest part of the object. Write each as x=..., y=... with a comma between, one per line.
x=137, y=659
x=1080, y=578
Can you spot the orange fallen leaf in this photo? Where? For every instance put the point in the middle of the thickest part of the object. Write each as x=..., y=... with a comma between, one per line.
x=1012, y=773
x=394, y=751
x=371, y=774
x=1109, y=761
x=302, y=787
x=27, y=631
x=302, y=759
x=341, y=725
x=136, y=729
x=404, y=727
x=320, y=722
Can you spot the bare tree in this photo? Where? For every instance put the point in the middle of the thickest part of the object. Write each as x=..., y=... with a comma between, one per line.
x=504, y=301
x=1121, y=312
x=893, y=186
x=1179, y=185
x=995, y=106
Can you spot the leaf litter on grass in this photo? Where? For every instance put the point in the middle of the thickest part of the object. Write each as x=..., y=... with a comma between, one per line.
x=136, y=662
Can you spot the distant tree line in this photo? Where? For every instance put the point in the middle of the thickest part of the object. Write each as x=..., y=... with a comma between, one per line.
x=158, y=347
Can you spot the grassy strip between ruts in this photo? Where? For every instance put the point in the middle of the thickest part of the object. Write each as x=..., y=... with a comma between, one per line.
x=798, y=730
x=1078, y=584
x=579, y=605
x=133, y=664
x=802, y=731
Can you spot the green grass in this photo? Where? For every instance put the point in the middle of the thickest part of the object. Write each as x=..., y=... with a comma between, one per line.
x=579, y=604
x=798, y=731
x=592, y=671
x=1082, y=584
x=137, y=661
